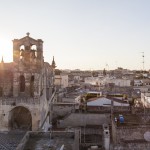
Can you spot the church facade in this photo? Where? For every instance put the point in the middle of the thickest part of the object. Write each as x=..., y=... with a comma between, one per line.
x=26, y=86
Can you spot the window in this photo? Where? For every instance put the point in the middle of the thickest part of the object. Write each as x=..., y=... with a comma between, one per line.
x=1, y=91
x=22, y=83
x=32, y=86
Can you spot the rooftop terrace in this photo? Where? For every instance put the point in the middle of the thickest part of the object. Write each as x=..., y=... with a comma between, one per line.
x=132, y=120
x=47, y=140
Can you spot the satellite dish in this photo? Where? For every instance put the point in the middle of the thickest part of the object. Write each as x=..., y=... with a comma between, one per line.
x=147, y=136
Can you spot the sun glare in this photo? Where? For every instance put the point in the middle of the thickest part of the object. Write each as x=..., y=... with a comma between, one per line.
x=6, y=50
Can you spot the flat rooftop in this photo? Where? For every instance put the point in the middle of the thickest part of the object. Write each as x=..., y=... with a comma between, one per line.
x=49, y=140
x=132, y=120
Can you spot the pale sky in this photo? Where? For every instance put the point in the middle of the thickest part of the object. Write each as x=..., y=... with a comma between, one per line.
x=80, y=34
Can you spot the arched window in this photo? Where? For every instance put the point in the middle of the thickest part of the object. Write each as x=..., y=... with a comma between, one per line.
x=22, y=83
x=32, y=86
x=1, y=91
x=22, y=48
x=34, y=49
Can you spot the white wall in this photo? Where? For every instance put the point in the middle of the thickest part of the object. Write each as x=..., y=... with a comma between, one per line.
x=92, y=80
x=120, y=82
x=61, y=80
x=145, y=99
x=64, y=81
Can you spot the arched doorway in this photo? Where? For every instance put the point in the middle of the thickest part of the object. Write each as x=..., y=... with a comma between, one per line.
x=20, y=118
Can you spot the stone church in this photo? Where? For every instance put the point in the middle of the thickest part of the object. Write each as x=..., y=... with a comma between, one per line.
x=26, y=86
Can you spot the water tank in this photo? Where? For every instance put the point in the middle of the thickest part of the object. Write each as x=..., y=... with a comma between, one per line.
x=121, y=118
x=94, y=147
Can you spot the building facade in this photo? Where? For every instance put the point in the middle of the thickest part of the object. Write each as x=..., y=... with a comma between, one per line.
x=26, y=85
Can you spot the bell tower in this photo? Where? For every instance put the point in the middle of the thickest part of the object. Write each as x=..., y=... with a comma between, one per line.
x=28, y=53
x=28, y=64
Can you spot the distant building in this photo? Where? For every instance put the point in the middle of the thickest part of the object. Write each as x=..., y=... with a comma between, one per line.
x=120, y=82
x=61, y=80
x=92, y=80
x=77, y=79
x=145, y=99
x=103, y=104
x=146, y=82
x=138, y=83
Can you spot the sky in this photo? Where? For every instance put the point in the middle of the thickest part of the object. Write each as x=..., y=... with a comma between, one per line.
x=81, y=34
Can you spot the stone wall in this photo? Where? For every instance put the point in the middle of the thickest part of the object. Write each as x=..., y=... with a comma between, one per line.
x=134, y=145
x=6, y=83
x=102, y=109
x=62, y=109
x=131, y=133
x=26, y=82
x=69, y=139
x=80, y=119
x=5, y=114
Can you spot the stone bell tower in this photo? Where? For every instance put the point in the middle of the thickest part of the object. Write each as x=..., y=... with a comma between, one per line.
x=28, y=62
x=27, y=53
x=26, y=86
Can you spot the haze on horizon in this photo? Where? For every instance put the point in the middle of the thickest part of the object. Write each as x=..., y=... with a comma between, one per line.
x=81, y=34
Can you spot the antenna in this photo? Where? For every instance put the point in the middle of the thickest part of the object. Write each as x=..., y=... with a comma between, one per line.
x=107, y=67
x=143, y=59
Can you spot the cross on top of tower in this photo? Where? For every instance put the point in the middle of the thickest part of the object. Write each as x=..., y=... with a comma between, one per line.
x=28, y=33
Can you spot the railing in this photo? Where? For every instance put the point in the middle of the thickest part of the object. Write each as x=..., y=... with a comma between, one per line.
x=49, y=111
